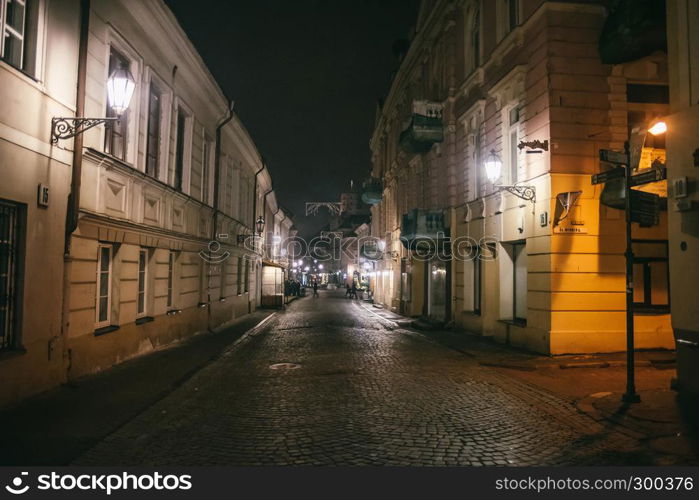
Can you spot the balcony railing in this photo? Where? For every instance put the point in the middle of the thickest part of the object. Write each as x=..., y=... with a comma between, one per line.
x=423, y=229
x=424, y=129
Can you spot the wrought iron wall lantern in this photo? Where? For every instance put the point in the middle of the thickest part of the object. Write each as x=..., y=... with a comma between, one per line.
x=260, y=225
x=120, y=89
x=493, y=170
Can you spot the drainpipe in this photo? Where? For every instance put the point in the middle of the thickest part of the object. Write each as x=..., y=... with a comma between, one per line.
x=76, y=174
x=217, y=166
x=73, y=206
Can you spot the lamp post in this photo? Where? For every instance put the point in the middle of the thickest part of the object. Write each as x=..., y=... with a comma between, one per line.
x=120, y=89
x=493, y=171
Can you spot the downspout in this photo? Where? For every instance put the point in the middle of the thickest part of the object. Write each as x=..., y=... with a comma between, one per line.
x=73, y=207
x=217, y=167
x=76, y=174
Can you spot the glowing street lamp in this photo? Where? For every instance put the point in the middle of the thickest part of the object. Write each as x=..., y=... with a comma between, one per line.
x=493, y=171
x=658, y=128
x=120, y=89
x=493, y=166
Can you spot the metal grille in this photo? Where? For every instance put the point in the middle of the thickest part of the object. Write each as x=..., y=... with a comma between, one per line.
x=9, y=242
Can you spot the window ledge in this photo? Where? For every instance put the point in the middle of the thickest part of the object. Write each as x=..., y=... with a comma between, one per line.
x=12, y=353
x=105, y=329
x=144, y=319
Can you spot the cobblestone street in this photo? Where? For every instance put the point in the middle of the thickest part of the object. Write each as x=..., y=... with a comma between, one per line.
x=329, y=382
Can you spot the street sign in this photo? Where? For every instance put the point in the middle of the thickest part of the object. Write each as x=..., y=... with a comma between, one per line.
x=615, y=157
x=652, y=175
x=645, y=208
x=615, y=173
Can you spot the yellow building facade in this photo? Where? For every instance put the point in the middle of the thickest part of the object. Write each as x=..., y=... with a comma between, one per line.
x=531, y=258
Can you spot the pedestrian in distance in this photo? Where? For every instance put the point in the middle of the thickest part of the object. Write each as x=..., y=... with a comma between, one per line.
x=353, y=292
x=315, y=289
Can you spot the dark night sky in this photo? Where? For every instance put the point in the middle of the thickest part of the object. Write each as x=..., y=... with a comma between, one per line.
x=305, y=75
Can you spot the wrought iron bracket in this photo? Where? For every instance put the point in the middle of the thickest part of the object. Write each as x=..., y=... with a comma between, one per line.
x=67, y=127
x=527, y=193
x=536, y=144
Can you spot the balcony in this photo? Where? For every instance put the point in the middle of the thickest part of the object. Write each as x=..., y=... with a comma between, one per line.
x=370, y=250
x=423, y=230
x=372, y=191
x=424, y=129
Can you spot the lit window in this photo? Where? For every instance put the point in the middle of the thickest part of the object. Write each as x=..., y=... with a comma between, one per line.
x=104, y=284
x=513, y=134
x=153, y=145
x=142, y=282
x=170, y=279
x=19, y=29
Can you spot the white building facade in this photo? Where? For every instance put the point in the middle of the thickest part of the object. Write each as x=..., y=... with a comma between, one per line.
x=168, y=195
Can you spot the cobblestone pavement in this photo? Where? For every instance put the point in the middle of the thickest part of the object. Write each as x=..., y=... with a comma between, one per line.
x=328, y=382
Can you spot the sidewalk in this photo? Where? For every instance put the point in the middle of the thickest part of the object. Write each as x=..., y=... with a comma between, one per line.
x=594, y=383
x=55, y=427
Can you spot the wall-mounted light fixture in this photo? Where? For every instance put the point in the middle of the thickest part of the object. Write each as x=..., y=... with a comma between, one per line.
x=120, y=89
x=493, y=171
x=260, y=225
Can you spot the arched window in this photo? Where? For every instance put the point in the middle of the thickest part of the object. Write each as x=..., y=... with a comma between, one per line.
x=476, y=38
x=472, y=37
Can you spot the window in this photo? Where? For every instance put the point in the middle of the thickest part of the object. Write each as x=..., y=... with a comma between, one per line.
x=206, y=172
x=512, y=14
x=19, y=21
x=651, y=276
x=115, y=139
x=513, y=135
x=475, y=49
x=247, y=276
x=472, y=280
x=507, y=12
x=142, y=282
x=180, y=149
x=240, y=275
x=104, y=284
x=11, y=239
x=513, y=283
x=223, y=269
x=153, y=140
x=170, y=279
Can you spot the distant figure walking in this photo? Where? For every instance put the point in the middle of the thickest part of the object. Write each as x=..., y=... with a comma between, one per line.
x=315, y=289
x=353, y=292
